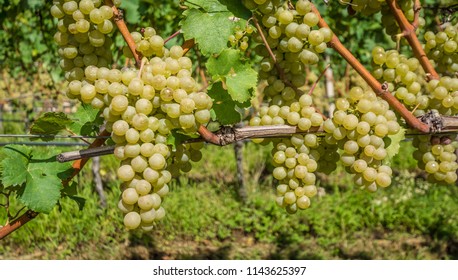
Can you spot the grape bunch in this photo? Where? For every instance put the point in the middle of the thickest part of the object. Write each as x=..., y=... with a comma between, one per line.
x=403, y=76
x=296, y=159
x=294, y=169
x=436, y=155
x=293, y=37
x=443, y=94
x=360, y=127
x=240, y=39
x=141, y=107
x=442, y=47
x=152, y=102
x=147, y=42
x=365, y=7
x=83, y=35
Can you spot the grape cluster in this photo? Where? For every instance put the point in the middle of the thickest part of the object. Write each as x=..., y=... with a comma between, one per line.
x=443, y=94
x=294, y=169
x=83, y=35
x=360, y=127
x=403, y=76
x=297, y=113
x=442, y=47
x=141, y=107
x=436, y=155
x=365, y=7
x=297, y=158
x=148, y=43
x=152, y=102
x=293, y=37
x=239, y=38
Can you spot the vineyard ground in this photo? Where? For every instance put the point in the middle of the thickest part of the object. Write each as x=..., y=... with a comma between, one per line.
x=206, y=220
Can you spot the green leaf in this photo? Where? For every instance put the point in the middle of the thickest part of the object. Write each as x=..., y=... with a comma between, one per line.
x=14, y=164
x=70, y=189
x=237, y=73
x=38, y=173
x=224, y=107
x=131, y=13
x=396, y=139
x=210, y=30
x=176, y=137
x=235, y=7
x=50, y=123
x=86, y=120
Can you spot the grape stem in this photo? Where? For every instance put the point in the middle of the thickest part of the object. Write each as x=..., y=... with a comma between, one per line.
x=172, y=36
x=319, y=78
x=376, y=86
x=416, y=10
x=408, y=30
x=121, y=24
x=280, y=71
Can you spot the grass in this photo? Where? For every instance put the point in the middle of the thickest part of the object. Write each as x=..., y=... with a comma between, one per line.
x=206, y=220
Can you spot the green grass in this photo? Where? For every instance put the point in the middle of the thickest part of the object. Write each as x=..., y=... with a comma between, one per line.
x=206, y=220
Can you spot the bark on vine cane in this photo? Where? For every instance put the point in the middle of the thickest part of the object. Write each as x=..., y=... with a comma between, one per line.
x=121, y=24
x=408, y=31
x=17, y=223
x=376, y=86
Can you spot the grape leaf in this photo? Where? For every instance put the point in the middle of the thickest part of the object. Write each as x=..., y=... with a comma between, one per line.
x=131, y=11
x=396, y=139
x=210, y=6
x=71, y=191
x=177, y=137
x=50, y=123
x=14, y=165
x=38, y=174
x=224, y=107
x=238, y=75
x=86, y=120
x=210, y=30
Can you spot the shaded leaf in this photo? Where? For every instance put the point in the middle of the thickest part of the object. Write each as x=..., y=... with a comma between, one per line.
x=131, y=13
x=237, y=73
x=50, y=123
x=86, y=120
x=224, y=108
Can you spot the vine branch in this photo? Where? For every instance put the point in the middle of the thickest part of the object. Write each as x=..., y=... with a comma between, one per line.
x=416, y=10
x=19, y=222
x=121, y=24
x=228, y=135
x=408, y=31
x=371, y=81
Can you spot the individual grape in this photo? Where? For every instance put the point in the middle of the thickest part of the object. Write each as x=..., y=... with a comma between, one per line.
x=132, y=220
x=436, y=156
